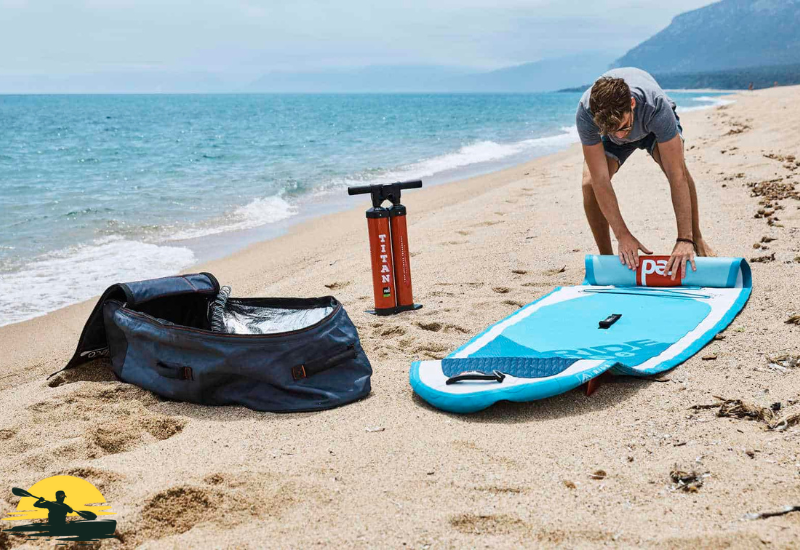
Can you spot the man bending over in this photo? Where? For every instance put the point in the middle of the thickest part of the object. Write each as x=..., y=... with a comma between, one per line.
x=623, y=111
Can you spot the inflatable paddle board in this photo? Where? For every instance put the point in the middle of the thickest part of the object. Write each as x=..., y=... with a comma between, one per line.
x=637, y=323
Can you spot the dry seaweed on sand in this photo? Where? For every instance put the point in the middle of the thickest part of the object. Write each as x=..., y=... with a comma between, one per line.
x=783, y=362
x=763, y=259
x=764, y=515
x=774, y=189
x=793, y=320
x=785, y=423
x=736, y=408
x=688, y=480
x=702, y=407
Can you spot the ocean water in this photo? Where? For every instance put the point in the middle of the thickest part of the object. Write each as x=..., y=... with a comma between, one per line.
x=102, y=189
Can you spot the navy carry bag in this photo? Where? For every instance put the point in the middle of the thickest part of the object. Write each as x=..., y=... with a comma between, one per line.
x=185, y=339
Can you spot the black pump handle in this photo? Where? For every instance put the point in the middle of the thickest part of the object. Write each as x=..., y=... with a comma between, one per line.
x=362, y=189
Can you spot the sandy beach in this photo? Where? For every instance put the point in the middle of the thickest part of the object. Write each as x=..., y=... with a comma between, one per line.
x=391, y=471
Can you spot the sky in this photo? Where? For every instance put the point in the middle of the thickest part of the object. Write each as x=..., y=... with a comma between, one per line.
x=248, y=38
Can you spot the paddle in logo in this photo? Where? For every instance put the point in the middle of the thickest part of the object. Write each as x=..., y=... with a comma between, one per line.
x=652, y=271
x=50, y=505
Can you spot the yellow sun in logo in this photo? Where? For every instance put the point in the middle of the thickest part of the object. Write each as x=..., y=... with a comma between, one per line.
x=81, y=495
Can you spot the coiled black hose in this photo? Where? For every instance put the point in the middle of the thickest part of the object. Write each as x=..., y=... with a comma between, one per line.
x=218, y=308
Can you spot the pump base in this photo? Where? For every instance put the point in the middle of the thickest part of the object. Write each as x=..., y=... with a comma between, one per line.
x=393, y=310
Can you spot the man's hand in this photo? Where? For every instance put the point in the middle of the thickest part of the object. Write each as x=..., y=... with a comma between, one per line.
x=628, y=250
x=682, y=253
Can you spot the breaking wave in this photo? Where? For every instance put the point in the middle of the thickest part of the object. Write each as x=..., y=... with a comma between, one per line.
x=75, y=274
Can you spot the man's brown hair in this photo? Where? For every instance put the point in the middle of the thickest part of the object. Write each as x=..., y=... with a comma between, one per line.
x=609, y=101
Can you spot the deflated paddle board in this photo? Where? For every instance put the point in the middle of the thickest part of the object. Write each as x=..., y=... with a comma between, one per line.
x=556, y=343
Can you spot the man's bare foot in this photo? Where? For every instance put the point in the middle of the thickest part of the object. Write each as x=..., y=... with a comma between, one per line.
x=703, y=249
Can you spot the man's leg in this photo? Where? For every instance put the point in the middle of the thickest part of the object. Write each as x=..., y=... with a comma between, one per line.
x=702, y=248
x=598, y=223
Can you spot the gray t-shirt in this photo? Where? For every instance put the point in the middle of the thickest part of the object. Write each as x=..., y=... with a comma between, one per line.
x=654, y=112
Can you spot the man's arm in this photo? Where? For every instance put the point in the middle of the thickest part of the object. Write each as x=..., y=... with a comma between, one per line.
x=628, y=246
x=671, y=153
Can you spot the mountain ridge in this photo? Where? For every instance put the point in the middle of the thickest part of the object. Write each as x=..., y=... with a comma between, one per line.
x=728, y=34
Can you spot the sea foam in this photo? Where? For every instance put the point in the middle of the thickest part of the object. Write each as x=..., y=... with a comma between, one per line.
x=256, y=213
x=710, y=100
x=68, y=276
x=474, y=153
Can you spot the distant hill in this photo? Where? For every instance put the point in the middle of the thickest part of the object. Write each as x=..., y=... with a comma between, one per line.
x=729, y=79
x=539, y=76
x=725, y=35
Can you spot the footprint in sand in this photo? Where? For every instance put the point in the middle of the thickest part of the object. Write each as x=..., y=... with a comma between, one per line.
x=519, y=272
x=464, y=233
x=393, y=331
x=439, y=327
x=491, y=524
x=501, y=289
x=120, y=436
x=96, y=420
x=106, y=481
x=98, y=370
x=513, y=303
x=556, y=271
x=226, y=499
x=337, y=285
x=434, y=351
x=487, y=223
x=432, y=326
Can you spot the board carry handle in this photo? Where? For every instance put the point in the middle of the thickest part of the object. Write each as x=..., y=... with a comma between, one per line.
x=495, y=376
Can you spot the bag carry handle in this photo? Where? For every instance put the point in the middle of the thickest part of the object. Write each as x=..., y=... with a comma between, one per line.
x=176, y=372
x=315, y=366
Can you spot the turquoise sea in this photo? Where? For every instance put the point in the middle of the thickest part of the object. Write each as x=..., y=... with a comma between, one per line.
x=102, y=189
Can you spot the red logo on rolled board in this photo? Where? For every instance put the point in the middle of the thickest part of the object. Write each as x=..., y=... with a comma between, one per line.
x=652, y=271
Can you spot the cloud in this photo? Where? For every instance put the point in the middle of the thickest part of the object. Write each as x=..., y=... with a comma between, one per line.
x=251, y=36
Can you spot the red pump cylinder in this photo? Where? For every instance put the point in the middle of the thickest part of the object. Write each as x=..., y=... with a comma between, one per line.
x=401, y=257
x=380, y=246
